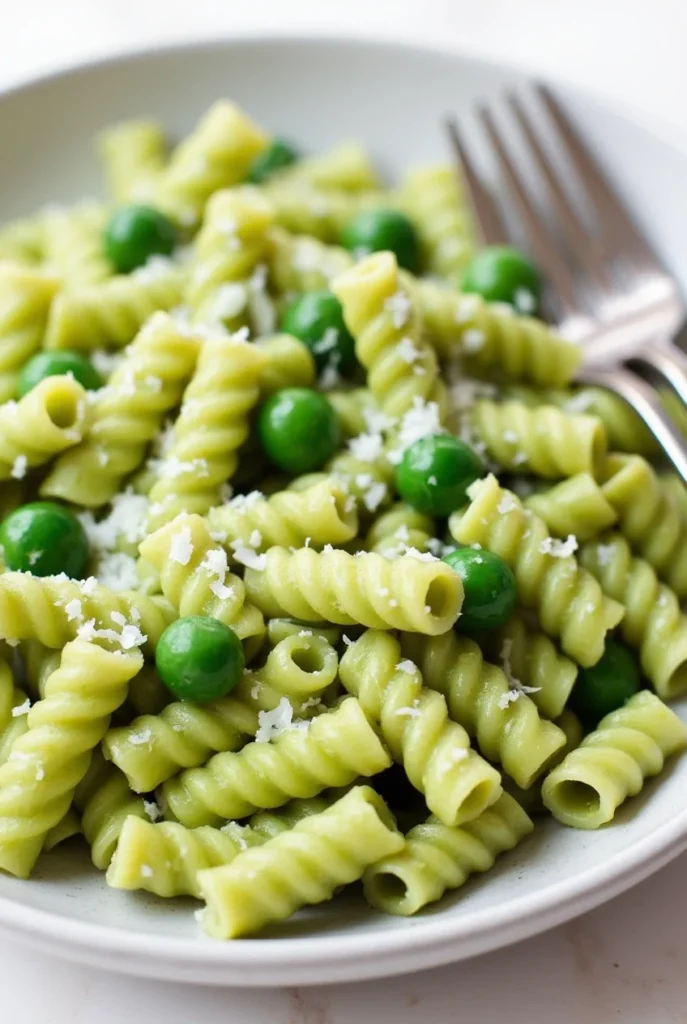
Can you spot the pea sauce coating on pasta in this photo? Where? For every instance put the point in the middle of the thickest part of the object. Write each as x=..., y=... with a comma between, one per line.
x=302, y=512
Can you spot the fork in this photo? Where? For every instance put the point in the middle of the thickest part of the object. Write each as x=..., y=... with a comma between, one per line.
x=606, y=288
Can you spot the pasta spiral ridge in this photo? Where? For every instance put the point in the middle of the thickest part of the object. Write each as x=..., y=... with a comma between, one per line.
x=649, y=516
x=576, y=506
x=106, y=802
x=289, y=364
x=126, y=415
x=46, y=763
x=110, y=314
x=333, y=586
x=529, y=656
x=302, y=866
x=401, y=366
x=611, y=763
x=568, y=600
x=299, y=263
x=211, y=427
x=133, y=154
x=399, y=528
x=73, y=244
x=333, y=750
x=506, y=725
x=653, y=623
x=11, y=697
x=544, y=440
x=52, y=609
x=287, y=518
x=432, y=196
x=197, y=581
x=49, y=419
x=25, y=297
x=435, y=753
x=437, y=858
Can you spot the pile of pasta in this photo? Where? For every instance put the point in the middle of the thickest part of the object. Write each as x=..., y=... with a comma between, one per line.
x=367, y=738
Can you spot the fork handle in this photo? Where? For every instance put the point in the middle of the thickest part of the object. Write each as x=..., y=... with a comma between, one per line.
x=670, y=363
x=644, y=400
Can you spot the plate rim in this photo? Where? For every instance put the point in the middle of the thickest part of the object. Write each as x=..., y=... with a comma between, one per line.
x=422, y=943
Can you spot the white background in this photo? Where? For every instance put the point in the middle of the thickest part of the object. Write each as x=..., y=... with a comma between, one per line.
x=624, y=962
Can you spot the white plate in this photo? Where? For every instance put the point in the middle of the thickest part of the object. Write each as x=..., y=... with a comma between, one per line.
x=392, y=98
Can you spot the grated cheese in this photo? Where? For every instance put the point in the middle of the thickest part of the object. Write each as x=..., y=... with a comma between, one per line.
x=559, y=548
x=21, y=709
x=19, y=467
x=407, y=666
x=399, y=306
x=152, y=810
x=181, y=546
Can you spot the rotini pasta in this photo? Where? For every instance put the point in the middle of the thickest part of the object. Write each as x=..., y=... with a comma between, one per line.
x=72, y=244
x=105, y=801
x=49, y=419
x=25, y=297
x=528, y=656
x=21, y=241
x=289, y=364
x=576, y=506
x=346, y=167
x=612, y=762
x=568, y=600
x=432, y=196
x=133, y=154
x=399, y=528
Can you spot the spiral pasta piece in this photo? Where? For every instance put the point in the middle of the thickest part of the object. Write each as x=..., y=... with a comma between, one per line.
x=437, y=858
x=105, y=801
x=289, y=364
x=46, y=763
x=433, y=197
x=399, y=528
x=653, y=623
x=68, y=827
x=211, y=426
x=126, y=415
x=231, y=243
x=369, y=484
x=133, y=154
x=194, y=577
x=576, y=506
x=568, y=600
x=25, y=297
x=280, y=629
x=165, y=858
x=502, y=718
x=14, y=705
x=333, y=586
x=435, y=753
x=49, y=419
x=53, y=609
x=111, y=313
x=298, y=263
x=287, y=518
x=302, y=866
x=352, y=408
x=493, y=337
x=73, y=244
x=346, y=167
x=544, y=441
x=304, y=209
x=401, y=366
x=611, y=763
x=333, y=750
x=649, y=516
x=217, y=154
x=528, y=656
x=21, y=241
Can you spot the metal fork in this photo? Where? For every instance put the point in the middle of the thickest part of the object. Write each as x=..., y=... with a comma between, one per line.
x=607, y=289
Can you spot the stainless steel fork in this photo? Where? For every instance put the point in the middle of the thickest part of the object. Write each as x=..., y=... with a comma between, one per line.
x=607, y=289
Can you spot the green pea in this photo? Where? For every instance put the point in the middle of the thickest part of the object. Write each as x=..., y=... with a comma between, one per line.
x=54, y=364
x=45, y=539
x=382, y=231
x=317, y=320
x=605, y=686
x=298, y=429
x=134, y=234
x=489, y=586
x=435, y=472
x=199, y=659
x=279, y=154
x=500, y=273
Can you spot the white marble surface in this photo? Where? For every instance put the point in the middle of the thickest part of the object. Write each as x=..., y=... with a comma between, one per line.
x=623, y=962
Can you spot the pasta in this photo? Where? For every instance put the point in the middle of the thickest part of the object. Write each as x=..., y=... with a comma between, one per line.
x=401, y=367
x=543, y=441
x=568, y=600
x=46, y=763
x=413, y=720
x=489, y=706
x=370, y=590
x=612, y=762
x=126, y=415
x=437, y=857
x=47, y=421
x=25, y=297
x=288, y=529
x=301, y=866
x=333, y=750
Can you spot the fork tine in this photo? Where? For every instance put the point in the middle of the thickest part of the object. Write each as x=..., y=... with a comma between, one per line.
x=541, y=242
x=490, y=227
x=616, y=223
x=579, y=241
